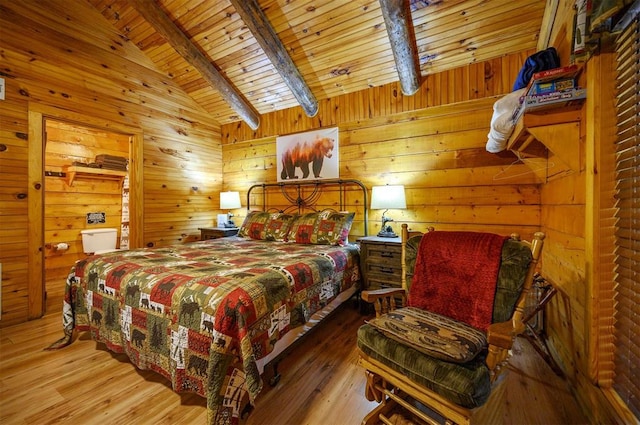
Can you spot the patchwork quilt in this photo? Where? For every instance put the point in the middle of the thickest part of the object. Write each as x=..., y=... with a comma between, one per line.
x=201, y=314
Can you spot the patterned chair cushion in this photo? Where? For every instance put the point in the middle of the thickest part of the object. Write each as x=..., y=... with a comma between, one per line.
x=277, y=227
x=254, y=224
x=467, y=385
x=432, y=334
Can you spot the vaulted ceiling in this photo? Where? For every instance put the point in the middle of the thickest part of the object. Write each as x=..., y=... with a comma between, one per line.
x=329, y=47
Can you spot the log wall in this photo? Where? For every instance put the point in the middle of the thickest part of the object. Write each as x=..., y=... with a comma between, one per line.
x=432, y=142
x=78, y=68
x=75, y=67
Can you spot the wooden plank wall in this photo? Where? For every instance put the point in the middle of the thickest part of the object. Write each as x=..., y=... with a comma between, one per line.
x=564, y=210
x=572, y=215
x=432, y=142
x=74, y=63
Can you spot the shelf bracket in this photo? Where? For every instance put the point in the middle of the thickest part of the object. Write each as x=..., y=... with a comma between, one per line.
x=562, y=140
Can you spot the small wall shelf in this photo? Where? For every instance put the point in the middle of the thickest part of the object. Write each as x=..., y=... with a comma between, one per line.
x=556, y=130
x=76, y=171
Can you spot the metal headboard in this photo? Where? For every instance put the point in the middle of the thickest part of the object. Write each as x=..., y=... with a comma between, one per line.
x=303, y=195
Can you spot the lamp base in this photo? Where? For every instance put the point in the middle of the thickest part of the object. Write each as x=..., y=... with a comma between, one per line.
x=387, y=233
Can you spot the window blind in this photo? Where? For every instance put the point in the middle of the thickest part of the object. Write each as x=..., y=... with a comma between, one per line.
x=627, y=259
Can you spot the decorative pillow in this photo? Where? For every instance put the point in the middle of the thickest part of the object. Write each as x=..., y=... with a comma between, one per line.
x=278, y=226
x=322, y=228
x=333, y=227
x=432, y=334
x=254, y=224
x=303, y=228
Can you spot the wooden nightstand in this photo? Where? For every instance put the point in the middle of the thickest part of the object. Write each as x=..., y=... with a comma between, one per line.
x=381, y=262
x=217, y=232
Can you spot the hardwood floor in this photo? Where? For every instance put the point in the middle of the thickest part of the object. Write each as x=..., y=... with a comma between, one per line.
x=321, y=383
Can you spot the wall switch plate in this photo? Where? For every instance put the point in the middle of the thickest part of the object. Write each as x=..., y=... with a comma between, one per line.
x=1, y=88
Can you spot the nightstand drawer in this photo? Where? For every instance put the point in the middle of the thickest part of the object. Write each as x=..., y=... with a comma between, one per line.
x=387, y=252
x=381, y=268
x=381, y=262
x=375, y=283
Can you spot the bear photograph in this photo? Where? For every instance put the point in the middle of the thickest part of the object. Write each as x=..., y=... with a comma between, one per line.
x=312, y=155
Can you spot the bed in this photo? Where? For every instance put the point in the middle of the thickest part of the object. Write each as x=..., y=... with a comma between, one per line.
x=210, y=315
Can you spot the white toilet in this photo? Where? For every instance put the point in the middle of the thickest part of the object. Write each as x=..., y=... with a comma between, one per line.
x=99, y=241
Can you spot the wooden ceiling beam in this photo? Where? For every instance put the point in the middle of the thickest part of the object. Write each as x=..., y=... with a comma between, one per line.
x=265, y=35
x=150, y=11
x=397, y=19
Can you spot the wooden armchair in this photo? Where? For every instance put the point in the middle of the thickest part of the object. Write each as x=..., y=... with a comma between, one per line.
x=442, y=339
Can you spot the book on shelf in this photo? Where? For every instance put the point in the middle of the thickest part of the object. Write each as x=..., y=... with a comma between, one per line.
x=571, y=71
x=555, y=79
x=552, y=86
x=554, y=99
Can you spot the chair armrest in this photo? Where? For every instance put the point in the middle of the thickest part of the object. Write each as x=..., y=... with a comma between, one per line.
x=501, y=334
x=384, y=300
x=376, y=294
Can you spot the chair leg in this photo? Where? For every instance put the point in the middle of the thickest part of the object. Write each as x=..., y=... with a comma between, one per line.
x=379, y=414
x=372, y=389
x=389, y=400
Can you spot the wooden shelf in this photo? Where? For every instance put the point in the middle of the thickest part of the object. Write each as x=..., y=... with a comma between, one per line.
x=75, y=171
x=556, y=130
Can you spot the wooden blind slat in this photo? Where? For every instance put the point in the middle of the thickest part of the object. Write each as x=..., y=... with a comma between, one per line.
x=627, y=104
x=630, y=290
x=627, y=252
x=627, y=243
x=626, y=233
x=626, y=175
x=628, y=69
x=624, y=43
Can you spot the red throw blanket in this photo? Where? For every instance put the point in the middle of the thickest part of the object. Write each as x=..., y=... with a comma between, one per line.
x=456, y=275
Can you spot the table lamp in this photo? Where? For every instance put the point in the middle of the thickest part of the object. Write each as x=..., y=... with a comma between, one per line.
x=229, y=201
x=387, y=197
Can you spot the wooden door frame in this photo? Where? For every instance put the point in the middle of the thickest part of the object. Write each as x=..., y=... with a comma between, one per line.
x=37, y=115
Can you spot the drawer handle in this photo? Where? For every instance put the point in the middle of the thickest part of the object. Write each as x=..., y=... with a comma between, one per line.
x=386, y=254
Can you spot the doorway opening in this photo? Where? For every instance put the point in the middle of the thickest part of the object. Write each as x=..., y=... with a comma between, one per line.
x=86, y=187
x=57, y=140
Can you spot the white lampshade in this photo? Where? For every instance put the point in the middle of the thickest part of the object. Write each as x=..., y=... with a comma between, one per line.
x=229, y=200
x=388, y=197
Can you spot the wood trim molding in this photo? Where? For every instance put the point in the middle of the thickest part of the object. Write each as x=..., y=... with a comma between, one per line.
x=548, y=23
x=35, y=274
x=599, y=239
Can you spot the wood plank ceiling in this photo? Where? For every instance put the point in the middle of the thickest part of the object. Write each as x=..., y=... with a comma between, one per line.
x=337, y=46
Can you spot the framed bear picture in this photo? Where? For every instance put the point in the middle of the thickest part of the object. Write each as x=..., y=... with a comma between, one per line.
x=312, y=155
